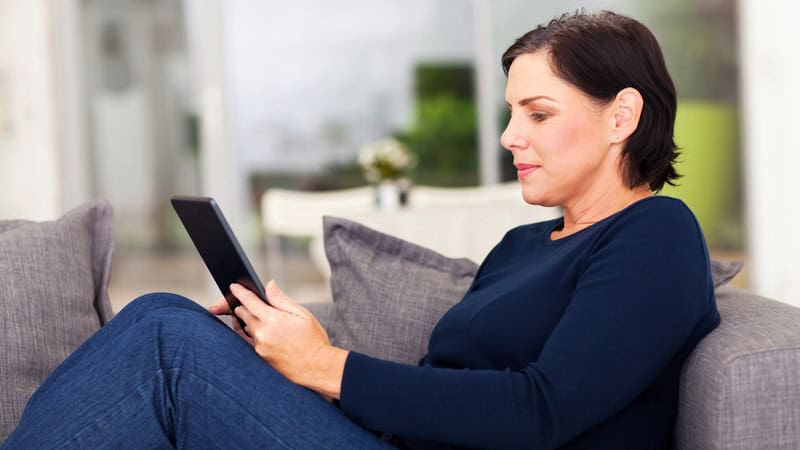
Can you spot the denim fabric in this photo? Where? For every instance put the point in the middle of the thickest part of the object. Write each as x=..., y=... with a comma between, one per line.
x=164, y=373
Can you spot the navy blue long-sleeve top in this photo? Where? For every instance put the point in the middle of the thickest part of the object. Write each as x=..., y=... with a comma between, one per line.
x=576, y=342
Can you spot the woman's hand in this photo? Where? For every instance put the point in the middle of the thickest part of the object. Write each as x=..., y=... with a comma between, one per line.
x=289, y=338
x=221, y=308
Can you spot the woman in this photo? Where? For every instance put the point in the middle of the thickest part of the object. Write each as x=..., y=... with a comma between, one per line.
x=572, y=334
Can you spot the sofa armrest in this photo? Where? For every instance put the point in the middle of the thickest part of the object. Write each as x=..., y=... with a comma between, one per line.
x=740, y=388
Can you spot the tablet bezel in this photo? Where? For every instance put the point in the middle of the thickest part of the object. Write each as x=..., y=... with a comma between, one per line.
x=217, y=245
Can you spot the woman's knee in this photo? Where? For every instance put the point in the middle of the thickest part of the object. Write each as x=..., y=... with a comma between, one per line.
x=167, y=316
x=155, y=301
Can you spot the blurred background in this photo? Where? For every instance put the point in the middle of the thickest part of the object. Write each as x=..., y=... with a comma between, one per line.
x=135, y=100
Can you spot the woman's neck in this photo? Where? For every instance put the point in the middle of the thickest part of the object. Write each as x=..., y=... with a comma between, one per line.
x=591, y=209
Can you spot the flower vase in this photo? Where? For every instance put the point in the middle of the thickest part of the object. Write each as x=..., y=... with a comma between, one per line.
x=387, y=195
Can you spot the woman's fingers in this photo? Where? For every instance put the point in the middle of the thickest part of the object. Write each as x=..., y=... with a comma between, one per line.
x=220, y=308
x=250, y=300
x=243, y=335
x=235, y=324
x=285, y=335
x=249, y=319
x=251, y=322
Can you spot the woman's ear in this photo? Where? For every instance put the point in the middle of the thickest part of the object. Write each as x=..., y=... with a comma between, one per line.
x=627, y=109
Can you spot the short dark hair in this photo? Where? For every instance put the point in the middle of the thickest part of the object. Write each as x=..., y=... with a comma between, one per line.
x=601, y=54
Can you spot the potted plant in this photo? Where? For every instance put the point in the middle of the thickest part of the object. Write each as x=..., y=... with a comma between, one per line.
x=386, y=164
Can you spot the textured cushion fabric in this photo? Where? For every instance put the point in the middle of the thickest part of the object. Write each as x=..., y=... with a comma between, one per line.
x=53, y=279
x=740, y=388
x=723, y=271
x=388, y=293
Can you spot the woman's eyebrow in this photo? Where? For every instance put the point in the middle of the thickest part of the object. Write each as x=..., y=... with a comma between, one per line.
x=527, y=100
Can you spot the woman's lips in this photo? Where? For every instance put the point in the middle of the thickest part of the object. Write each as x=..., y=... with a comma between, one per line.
x=523, y=170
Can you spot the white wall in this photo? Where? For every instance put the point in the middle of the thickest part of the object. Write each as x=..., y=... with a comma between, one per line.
x=30, y=178
x=770, y=72
x=76, y=165
x=120, y=109
x=312, y=81
x=45, y=166
x=220, y=164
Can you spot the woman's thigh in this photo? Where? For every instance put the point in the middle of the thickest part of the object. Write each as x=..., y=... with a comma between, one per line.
x=164, y=373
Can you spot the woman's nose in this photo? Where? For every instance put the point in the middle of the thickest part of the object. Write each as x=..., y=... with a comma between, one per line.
x=511, y=139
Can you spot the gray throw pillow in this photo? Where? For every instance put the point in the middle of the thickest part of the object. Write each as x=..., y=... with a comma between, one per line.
x=723, y=271
x=388, y=293
x=53, y=280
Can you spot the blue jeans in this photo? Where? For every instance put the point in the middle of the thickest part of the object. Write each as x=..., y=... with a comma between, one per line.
x=165, y=373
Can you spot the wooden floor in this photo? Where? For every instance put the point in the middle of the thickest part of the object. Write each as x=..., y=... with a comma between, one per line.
x=140, y=272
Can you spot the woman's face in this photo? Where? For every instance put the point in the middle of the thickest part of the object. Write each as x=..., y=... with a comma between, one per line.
x=560, y=137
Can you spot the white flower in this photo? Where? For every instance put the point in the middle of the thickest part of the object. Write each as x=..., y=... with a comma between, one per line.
x=385, y=159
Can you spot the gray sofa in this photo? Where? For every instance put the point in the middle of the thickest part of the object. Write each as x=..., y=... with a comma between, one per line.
x=740, y=388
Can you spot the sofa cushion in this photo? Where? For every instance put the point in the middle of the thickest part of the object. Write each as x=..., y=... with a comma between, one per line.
x=53, y=278
x=740, y=388
x=723, y=271
x=388, y=293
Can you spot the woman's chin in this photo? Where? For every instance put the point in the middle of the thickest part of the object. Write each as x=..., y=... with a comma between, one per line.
x=535, y=198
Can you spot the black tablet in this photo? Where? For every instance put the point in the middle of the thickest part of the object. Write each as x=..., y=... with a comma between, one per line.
x=217, y=245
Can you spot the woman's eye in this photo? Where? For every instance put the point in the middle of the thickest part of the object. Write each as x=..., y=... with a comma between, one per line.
x=539, y=117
